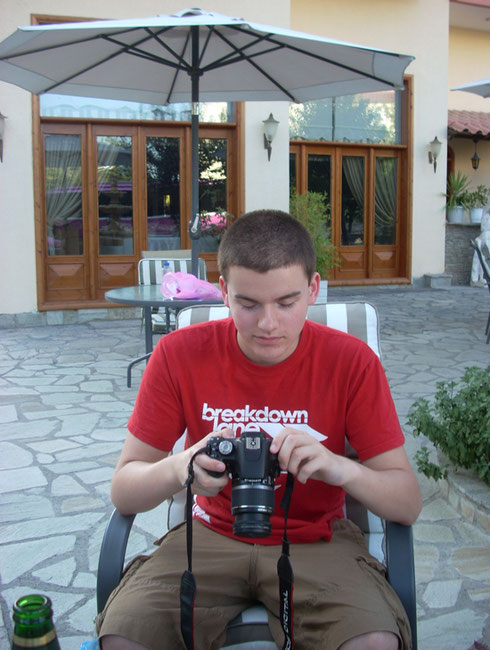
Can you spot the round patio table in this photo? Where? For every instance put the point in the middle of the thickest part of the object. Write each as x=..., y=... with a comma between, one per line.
x=148, y=296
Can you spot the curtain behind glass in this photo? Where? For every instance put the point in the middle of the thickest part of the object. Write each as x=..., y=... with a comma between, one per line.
x=385, y=201
x=63, y=186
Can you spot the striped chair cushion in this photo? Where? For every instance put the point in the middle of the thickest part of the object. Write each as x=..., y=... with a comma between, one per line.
x=357, y=318
x=150, y=270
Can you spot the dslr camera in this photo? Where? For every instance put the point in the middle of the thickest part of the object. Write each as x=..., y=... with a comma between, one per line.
x=253, y=470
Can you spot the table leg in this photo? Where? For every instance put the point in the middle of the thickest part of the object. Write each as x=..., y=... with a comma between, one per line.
x=148, y=330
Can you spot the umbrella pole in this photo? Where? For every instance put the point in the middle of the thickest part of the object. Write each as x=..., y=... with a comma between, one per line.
x=195, y=222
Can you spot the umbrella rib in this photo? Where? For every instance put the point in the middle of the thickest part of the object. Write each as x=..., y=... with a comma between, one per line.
x=76, y=41
x=128, y=48
x=239, y=54
x=270, y=38
x=180, y=65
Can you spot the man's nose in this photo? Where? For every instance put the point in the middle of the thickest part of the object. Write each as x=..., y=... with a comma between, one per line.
x=268, y=318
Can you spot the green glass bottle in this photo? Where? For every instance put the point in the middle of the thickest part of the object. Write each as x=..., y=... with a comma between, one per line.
x=33, y=624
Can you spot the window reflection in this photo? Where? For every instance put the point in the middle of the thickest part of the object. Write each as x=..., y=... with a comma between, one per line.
x=163, y=193
x=366, y=117
x=63, y=192
x=212, y=191
x=115, y=193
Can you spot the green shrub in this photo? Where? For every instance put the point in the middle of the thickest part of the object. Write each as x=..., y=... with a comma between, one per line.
x=457, y=423
x=313, y=210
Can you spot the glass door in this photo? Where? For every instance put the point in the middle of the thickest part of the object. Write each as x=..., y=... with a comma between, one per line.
x=163, y=204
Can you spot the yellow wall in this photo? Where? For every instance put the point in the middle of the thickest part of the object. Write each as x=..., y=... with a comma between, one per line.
x=469, y=60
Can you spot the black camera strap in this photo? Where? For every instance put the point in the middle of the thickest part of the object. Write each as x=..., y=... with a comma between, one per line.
x=188, y=582
x=285, y=573
x=284, y=570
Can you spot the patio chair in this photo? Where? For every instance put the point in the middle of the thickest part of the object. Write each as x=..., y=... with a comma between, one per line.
x=486, y=275
x=389, y=542
x=151, y=271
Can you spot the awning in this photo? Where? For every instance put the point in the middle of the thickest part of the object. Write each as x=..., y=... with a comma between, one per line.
x=468, y=124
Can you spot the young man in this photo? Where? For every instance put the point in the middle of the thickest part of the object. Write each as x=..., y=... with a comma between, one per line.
x=309, y=388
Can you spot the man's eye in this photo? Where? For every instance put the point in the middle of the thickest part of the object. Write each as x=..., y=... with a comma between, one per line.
x=286, y=305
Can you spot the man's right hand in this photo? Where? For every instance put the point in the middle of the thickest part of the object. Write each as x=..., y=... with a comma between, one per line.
x=204, y=483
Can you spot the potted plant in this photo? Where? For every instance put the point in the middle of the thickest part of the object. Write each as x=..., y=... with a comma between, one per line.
x=456, y=196
x=476, y=201
x=458, y=423
x=313, y=210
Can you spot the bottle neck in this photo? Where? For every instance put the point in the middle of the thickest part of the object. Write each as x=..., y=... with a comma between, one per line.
x=33, y=623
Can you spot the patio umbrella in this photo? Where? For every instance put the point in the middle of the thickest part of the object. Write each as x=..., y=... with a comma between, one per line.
x=481, y=87
x=192, y=56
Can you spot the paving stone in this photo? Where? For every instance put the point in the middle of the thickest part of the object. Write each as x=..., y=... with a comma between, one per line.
x=8, y=413
x=454, y=631
x=425, y=559
x=97, y=386
x=96, y=475
x=96, y=450
x=473, y=562
x=52, y=446
x=49, y=526
x=19, y=557
x=479, y=594
x=82, y=617
x=71, y=467
x=80, y=504
x=80, y=424
x=438, y=510
x=432, y=533
x=21, y=479
x=65, y=486
x=442, y=593
x=60, y=573
x=45, y=459
x=85, y=580
x=17, y=506
x=12, y=456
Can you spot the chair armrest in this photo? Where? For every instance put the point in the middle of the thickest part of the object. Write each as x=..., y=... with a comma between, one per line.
x=401, y=572
x=112, y=554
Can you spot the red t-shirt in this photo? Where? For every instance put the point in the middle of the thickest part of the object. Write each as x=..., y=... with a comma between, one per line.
x=332, y=386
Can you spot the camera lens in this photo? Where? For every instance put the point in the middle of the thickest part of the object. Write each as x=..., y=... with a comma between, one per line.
x=252, y=506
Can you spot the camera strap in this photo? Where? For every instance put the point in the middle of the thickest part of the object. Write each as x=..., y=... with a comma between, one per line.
x=284, y=570
x=188, y=582
x=285, y=573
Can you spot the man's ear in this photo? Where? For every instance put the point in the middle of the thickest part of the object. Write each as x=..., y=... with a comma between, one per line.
x=314, y=288
x=224, y=290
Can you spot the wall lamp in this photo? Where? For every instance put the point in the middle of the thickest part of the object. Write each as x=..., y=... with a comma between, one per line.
x=434, y=151
x=2, y=131
x=475, y=159
x=270, y=130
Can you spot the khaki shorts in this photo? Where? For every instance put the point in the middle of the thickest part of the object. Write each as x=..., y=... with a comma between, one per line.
x=340, y=591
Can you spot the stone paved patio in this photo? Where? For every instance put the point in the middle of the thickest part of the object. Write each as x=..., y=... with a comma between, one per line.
x=63, y=410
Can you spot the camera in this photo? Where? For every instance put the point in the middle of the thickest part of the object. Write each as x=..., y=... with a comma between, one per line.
x=253, y=470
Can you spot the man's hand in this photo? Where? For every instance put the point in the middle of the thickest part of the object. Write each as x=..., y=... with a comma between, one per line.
x=385, y=483
x=205, y=484
x=305, y=457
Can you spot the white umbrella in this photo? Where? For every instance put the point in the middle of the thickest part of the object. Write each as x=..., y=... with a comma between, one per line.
x=191, y=56
x=481, y=87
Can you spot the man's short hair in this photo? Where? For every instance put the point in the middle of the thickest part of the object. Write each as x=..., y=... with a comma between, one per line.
x=264, y=240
